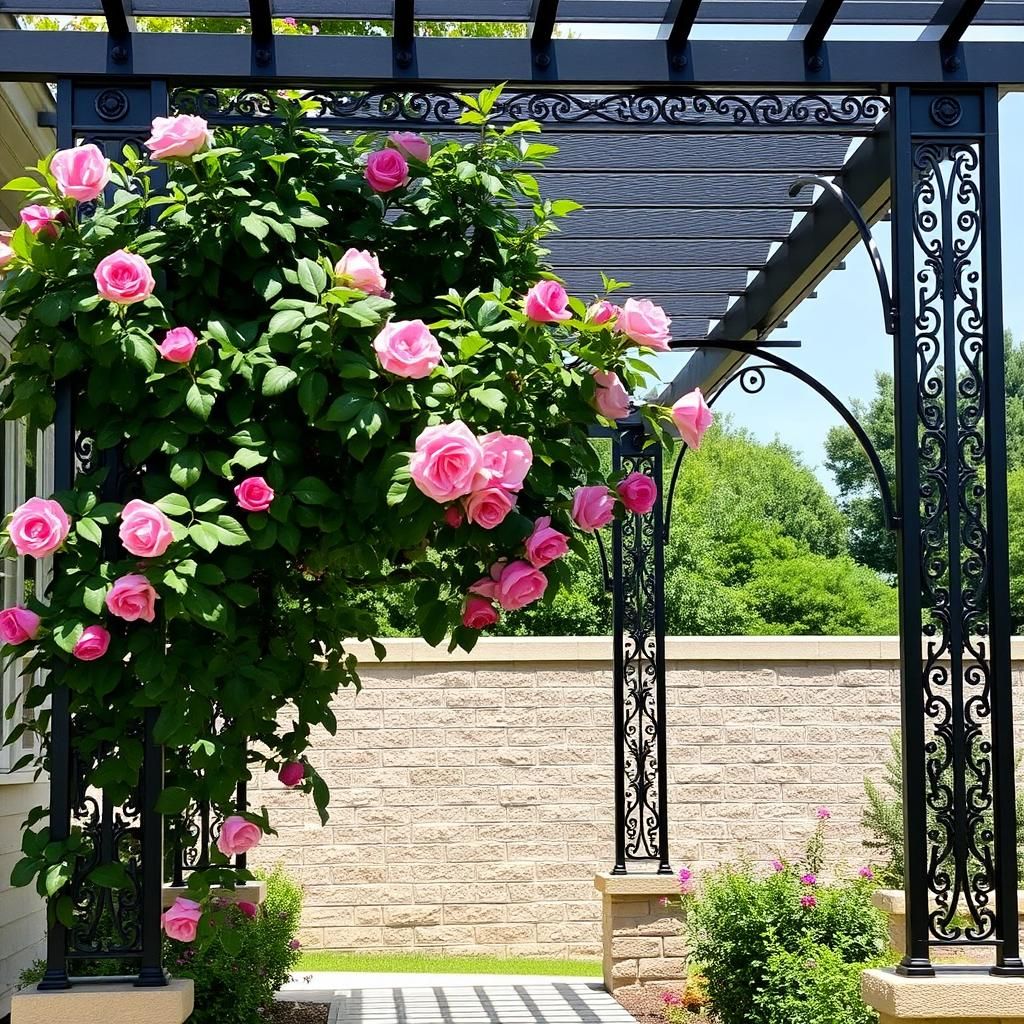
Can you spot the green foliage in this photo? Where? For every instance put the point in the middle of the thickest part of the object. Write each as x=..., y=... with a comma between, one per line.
x=236, y=981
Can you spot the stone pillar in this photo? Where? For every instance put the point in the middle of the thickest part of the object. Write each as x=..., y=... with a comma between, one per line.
x=963, y=998
x=642, y=940
x=116, y=1003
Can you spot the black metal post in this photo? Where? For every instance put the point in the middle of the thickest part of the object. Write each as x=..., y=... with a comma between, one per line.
x=638, y=615
x=958, y=762
x=151, y=837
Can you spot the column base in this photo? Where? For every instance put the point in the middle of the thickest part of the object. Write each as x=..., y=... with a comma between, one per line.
x=118, y=1003
x=966, y=998
x=642, y=940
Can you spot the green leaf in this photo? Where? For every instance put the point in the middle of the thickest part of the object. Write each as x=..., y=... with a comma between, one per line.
x=278, y=380
x=110, y=876
x=490, y=398
x=345, y=408
x=24, y=871
x=51, y=309
x=89, y=531
x=172, y=800
x=312, y=393
x=57, y=876
x=22, y=184
x=199, y=402
x=173, y=505
x=67, y=634
x=287, y=321
x=204, y=535
x=93, y=597
x=312, y=277
x=255, y=226
x=186, y=468
x=230, y=532
x=312, y=491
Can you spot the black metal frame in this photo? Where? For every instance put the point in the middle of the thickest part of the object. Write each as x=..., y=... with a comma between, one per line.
x=950, y=487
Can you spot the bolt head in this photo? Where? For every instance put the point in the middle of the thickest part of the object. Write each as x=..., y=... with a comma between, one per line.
x=542, y=60
x=262, y=56
x=951, y=62
x=679, y=61
x=119, y=54
x=815, y=63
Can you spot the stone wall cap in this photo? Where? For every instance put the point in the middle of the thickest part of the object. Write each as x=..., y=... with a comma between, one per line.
x=960, y=996
x=251, y=892
x=636, y=885
x=894, y=901
x=107, y=1003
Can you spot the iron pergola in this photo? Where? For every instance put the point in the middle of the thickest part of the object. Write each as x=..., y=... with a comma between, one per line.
x=705, y=142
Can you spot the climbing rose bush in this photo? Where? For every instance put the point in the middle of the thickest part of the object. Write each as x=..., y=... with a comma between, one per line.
x=309, y=369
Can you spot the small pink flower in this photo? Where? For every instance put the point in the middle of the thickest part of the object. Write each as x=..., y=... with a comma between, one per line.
x=777, y=866
x=489, y=506
x=124, y=277
x=513, y=585
x=824, y=814
x=360, y=269
x=592, y=508
x=639, y=493
x=43, y=220
x=547, y=302
x=685, y=881
x=663, y=901
x=387, y=170
x=479, y=613
x=453, y=516
x=406, y=348
x=645, y=323
x=178, y=137
x=145, y=531
x=179, y=345
x=866, y=873
x=671, y=998
x=181, y=920
x=290, y=22
x=238, y=836
x=249, y=909
x=254, y=494
x=808, y=901
x=692, y=417
x=295, y=944
x=610, y=398
x=132, y=597
x=291, y=774
x=809, y=879
x=545, y=543
x=92, y=644
x=602, y=312
x=6, y=252
x=82, y=173
x=446, y=462
x=18, y=625
x=411, y=145
x=38, y=527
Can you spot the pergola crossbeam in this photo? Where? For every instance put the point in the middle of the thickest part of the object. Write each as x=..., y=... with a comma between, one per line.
x=118, y=14
x=818, y=16
x=543, y=15
x=954, y=18
x=680, y=17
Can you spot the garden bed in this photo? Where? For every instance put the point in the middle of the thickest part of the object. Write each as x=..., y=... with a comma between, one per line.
x=648, y=1006
x=298, y=1013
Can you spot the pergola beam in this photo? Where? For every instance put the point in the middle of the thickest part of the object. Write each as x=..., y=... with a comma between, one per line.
x=954, y=18
x=119, y=17
x=680, y=17
x=543, y=15
x=818, y=16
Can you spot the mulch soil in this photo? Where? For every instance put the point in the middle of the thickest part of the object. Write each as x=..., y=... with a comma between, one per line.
x=647, y=1005
x=298, y=1013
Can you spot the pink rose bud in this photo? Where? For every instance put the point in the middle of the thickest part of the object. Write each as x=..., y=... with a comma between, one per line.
x=43, y=220
x=602, y=312
x=38, y=527
x=692, y=417
x=488, y=507
x=82, y=173
x=18, y=625
x=254, y=494
x=809, y=879
x=446, y=461
x=507, y=459
x=479, y=612
x=6, y=252
x=411, y=145
x=249, y=909
x=238, y=836
x=132, y=597
x=294, y=944
x=360, y=270
x=145, y=530
x=592, y=508
x=610, y=398
x=638, y=492
x=546, y=302
x=778, y=866
x=519, y=584
x=866, y=873
x=407, y=349
x=124, y=278
x=179, y=136
x=808, y=902
x=545, y=544
x=181, y=920
x=387, y=170
x=824, y=814
x=92, y=644
x=453, y=516
x=179, y=345
x=645, y=323
x=292, y=773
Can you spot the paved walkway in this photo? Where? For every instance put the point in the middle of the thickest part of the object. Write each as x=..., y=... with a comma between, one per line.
x=459, y=999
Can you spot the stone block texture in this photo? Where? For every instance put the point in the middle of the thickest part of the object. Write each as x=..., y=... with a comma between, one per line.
x=472, y=795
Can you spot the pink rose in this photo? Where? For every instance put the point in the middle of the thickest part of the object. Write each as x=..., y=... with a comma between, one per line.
x=38, y=527
x=546, y=302
x=294, y=944
x=777, y=866
x=387, y=170
x=179, y=136
x=592, y=508
x=520, y=584
x=292, y=773
x=360, y=269
x=249, y=909
x=132, y=597
x=638, y=492
x=507, y=459
x=489, y=506
x=407, y=349
x=645, y=323
x=92, y=644
x=601, y=312
x=446, y=461
x=453, y=516
x=6, y=252
x=809, y=879
x=479, y=613
x=179, y=345
x=866, y=873
x=808, y=902
x=545, y=544
x=238, y=836
x=145, y=530
x=610, y=398
x=692, y=417
x=124, y=278
x=409, y=144
x=181, y=920
x=82, y=173
x=254, y=494
x=18, y=624
x=43, y=220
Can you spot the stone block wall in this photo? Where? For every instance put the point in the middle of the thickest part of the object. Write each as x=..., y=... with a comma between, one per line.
x=472, y=794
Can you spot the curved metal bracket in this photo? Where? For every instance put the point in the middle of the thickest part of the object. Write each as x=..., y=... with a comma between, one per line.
x=877, y=263
x=751, y=380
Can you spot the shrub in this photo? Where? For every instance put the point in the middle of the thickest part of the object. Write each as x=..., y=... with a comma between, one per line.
x=237, y=987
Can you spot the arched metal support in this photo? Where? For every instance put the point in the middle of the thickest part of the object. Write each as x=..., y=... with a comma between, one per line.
x=752, y=381
x=877, y=263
